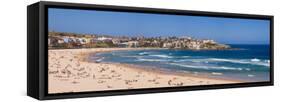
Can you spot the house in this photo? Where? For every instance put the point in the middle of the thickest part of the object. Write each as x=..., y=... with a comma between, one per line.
x=209, y=41
x=167, y=45
x=49, y=41
x=103, y=38
x=133, y=44
x=60, y=41
x=116, y=41
x=54, y=41
x=66, y=39
x=81, y=41
x=123, y=45
x=88, y=40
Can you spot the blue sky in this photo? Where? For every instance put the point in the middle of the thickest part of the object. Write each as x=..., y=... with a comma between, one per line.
x=223, y=30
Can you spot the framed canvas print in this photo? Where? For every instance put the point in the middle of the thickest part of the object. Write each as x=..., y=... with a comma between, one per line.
x=83, y=50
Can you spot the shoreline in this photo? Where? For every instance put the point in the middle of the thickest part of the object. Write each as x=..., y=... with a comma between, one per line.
x=159, y=70
x=152, y=48
x=170, y=72
x=71, y=71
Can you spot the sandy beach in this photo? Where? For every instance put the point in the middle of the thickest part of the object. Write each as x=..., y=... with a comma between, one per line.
x=70, y=71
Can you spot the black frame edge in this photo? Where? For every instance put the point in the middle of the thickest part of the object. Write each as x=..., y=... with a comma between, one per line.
x=32, y=50
x=272, y=50
x=42, y=32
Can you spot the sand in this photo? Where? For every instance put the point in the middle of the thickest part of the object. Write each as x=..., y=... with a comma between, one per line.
x=70, y=71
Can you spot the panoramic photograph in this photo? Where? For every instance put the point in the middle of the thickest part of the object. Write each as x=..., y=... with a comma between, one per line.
x=91, y=50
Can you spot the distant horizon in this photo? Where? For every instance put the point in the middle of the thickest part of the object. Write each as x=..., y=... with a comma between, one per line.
x=222, y=30
x=167, y=36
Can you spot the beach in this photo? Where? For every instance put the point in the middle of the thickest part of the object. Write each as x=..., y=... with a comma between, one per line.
x=69, y=70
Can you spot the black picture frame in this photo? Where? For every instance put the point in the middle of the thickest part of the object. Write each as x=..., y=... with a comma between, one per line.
x=37, y=67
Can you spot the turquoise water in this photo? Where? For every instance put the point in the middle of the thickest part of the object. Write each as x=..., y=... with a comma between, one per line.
x=249, y=63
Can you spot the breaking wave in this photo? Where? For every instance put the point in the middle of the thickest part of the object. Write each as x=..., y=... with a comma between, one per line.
x=206, y=67
x=144, y=53
x=162, y=56
x=151, y=60
x=244, y=61
x=239, y=61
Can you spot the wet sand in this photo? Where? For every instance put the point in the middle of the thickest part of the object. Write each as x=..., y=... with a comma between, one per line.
x=70, y=71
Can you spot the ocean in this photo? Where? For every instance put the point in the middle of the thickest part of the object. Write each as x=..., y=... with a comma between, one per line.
x=249, y=63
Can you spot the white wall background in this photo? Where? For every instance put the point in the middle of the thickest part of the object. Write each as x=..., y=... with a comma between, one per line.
x=13, y=51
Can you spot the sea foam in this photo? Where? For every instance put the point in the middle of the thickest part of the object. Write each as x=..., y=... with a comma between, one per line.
x=144, y=53
x=151, y=60
x=206, y=67
x=162, y=56
x=239, y=61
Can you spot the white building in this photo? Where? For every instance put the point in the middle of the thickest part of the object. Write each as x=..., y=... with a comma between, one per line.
x=103, y=38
